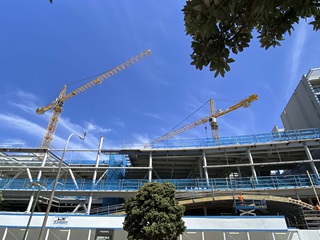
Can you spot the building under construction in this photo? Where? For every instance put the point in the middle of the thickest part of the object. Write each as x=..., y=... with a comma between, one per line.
x=260, y=186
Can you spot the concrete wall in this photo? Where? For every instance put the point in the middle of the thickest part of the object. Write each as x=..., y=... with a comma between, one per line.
x=302, y=111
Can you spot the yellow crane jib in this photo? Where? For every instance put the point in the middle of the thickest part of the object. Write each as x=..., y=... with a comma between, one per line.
x=211, y=118
x=57, y=104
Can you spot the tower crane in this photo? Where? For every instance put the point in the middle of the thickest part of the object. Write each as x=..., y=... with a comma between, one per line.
x=57, y=104
x=211, y=119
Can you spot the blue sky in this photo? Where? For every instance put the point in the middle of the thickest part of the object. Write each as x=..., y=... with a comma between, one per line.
x=44, y=46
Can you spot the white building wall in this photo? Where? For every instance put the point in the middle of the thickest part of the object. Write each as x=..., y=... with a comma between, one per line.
x=303, y=109
x=82, y=227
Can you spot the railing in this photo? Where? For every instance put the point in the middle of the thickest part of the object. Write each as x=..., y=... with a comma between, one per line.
x=110, y=209
x=312, y=133
x=213, y=184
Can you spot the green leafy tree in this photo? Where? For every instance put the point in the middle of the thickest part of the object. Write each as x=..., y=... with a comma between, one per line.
x=154, y=214
x=219, y=27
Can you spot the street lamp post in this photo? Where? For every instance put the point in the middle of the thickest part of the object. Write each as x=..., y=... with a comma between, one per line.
x=35, y=200
x=45, y=219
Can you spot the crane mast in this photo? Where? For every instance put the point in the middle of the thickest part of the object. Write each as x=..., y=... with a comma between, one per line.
x=57, y=104
x=211, y=118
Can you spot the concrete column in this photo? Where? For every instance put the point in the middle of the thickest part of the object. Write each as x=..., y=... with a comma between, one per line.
x=253, y=170
x=150, y=167
x=314, y=169
x=205, y=211
x=239, y=171
x=205, y=167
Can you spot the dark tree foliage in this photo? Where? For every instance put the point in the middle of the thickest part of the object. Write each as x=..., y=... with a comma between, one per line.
x=154, y=214
x=219, y=27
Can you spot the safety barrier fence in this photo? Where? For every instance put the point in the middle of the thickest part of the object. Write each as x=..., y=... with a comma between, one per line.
x=290, y=135
x=212, y=184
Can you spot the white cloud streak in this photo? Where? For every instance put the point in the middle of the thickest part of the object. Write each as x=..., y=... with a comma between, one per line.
x=297, y=49
x=13, y=142
x=96, y=128
x=19, y=123
x=152, y=115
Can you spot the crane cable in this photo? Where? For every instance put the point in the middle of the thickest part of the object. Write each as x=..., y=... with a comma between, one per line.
x=81, y=80
x=187, y=117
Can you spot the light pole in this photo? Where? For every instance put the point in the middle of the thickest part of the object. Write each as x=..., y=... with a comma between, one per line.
x=35, y=200
x=45, y=219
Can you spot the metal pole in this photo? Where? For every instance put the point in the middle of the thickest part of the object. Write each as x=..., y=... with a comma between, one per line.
x=150, y=167
x=45, y=219
x=32, y=210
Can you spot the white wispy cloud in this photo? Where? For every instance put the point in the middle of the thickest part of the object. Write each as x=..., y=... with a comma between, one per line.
x=22, y=100
x=30, y=108
x=119, y=123
x=152, y=115
x=26, y=96
x=236, y=128
x=96, y=128
x=21, y=124
x=233, y=129
x=30, y=128
x=140, y=141
x=295, y=58
x=13, y=142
